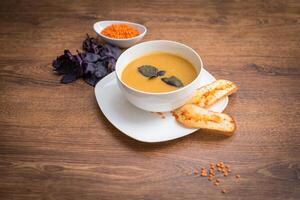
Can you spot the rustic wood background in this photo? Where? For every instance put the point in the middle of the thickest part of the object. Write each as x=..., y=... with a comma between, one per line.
x=56, y=144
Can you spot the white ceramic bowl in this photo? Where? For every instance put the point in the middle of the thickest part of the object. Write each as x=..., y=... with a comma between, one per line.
x=123, y=43
x=158, y=102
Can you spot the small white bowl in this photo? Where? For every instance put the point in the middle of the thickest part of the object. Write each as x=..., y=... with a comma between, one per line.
x=158, y=102
x=123, y=43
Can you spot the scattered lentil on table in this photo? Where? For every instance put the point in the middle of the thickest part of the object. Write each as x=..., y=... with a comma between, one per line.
x=222, y=168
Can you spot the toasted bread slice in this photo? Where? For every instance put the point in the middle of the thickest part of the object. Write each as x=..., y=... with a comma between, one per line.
x=193, y=116
x=212, y=93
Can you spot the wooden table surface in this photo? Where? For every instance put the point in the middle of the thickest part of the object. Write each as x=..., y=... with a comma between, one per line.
x=56, y=144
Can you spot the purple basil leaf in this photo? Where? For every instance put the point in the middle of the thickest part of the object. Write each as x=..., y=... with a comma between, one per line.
x=92, y=65
x=90, y=68
x=69, y=55
x=91, y=57
x=62, y=64
x=91, y=80
x=111, y=51
x=79, y=57
x=111, y=64
x=91, y=45
x=68, y=78
x=101, y=70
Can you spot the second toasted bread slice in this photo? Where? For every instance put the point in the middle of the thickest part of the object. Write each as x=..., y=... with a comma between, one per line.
x=193, y=116
x=212, y=93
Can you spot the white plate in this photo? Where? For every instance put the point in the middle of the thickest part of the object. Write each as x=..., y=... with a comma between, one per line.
x=139, y=124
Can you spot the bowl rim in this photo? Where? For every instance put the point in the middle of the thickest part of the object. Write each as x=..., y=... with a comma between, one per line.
x=162, y=93
x=121, y=22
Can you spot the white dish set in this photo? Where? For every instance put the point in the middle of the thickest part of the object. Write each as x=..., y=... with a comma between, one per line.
x=131, y=110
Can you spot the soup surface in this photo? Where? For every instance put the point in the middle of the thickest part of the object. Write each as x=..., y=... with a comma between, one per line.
x=172, y=64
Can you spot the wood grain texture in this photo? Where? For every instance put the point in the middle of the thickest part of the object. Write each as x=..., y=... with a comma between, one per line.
x=56, y=144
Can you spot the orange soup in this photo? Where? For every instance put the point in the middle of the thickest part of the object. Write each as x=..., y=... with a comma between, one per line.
x=171, y=65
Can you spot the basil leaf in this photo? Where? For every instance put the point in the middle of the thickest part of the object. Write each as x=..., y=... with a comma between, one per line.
x=161, y=73
x=173, y=81
x=148, y=71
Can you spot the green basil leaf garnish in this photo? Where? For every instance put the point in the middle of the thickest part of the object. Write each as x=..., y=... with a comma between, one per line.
x=173, y=81
x=161, y=73
x=150, y=71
